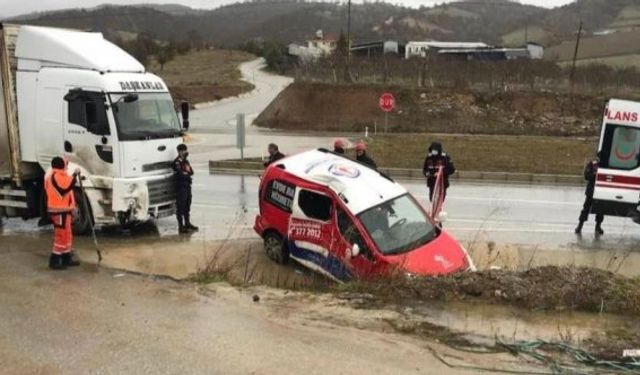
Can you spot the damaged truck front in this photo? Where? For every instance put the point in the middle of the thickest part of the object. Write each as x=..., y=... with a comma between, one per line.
x=76, y=95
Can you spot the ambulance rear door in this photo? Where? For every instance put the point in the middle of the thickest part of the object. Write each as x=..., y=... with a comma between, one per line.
x=617, y=190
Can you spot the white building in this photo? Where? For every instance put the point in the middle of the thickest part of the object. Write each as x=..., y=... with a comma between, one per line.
x=420, y=49
x=321, y=45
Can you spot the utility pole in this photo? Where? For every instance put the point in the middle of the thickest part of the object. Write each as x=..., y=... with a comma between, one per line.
x=347, y=71
x=575, y=56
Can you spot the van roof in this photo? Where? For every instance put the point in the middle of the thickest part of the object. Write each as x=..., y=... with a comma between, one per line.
x=360, y=186
x=73, y=49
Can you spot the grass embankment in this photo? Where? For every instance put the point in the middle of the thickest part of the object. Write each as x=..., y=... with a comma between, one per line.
x=205, y=76
x=519, y=154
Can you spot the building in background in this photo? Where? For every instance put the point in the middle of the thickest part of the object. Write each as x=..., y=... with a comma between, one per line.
x=471, y=51
x=319, y=46
x=377, y=48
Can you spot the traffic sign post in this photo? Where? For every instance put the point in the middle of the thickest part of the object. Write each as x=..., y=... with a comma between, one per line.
x=387, y=103
x=240, y=134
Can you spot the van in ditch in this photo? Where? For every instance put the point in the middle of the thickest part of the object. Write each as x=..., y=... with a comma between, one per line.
x=347, y=221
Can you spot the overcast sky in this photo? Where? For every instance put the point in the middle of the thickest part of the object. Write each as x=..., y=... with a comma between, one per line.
x=9, y=8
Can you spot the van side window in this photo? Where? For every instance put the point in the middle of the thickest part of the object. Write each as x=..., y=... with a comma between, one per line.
x=89, y=111
x=314, y=205
x=351, y=233
x=280, y=194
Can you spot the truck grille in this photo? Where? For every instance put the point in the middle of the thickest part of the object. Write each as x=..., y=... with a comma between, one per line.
x=161, y=191
x=156, y=166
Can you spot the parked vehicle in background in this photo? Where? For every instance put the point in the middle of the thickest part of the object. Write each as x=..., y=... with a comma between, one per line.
x=348, y=221
x=617, y=189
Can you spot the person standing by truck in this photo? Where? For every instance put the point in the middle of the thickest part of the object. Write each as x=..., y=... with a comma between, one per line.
x=184, y=176
x=437, y=159
x=61, y=206
x=590, y=173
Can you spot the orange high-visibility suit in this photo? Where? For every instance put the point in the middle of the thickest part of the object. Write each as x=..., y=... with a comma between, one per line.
x=60, y=205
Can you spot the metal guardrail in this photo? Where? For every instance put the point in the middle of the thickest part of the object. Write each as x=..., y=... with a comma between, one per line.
x=235, y=167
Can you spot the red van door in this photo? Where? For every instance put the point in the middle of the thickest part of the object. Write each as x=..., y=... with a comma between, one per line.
x=363, y=265
x=310, y=235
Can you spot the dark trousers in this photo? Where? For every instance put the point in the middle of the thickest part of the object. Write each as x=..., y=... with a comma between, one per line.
x=586, y=209
x=432, y=188
x=183, y=203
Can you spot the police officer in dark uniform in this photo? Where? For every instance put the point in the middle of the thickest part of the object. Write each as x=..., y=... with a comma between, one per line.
x=436, y=157
x=590, y=172
x=183, y=174
x=274, y=154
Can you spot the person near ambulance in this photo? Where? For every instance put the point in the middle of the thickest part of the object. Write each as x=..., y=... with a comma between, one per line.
x=61, y=206
x=590, y=174
x=274, y=154
x=437, y=158
x=183, y=176
x=362, y=157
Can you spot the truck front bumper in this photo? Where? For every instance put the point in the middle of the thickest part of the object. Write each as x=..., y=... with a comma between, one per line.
x=144, y=198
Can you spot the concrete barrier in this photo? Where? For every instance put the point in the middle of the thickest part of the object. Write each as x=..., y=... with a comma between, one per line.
x=237, y=167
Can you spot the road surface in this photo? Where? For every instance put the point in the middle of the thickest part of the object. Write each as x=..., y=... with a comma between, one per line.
x=213, y=126
x=86, y=322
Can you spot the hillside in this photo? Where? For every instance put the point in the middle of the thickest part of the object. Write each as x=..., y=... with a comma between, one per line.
x=238, y=23
x=610, y=26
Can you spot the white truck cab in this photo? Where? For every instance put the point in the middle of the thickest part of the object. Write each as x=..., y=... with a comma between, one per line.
x=74, y=94
x=617, y=189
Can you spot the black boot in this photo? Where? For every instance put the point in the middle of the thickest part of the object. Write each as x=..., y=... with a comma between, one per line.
x=599, y=231
x=188, y=225
x=579, y=227
x=70, y=260
x=182, y=229
x=56, y=262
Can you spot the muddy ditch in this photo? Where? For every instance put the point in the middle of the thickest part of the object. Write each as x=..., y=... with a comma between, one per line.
x=582, y=308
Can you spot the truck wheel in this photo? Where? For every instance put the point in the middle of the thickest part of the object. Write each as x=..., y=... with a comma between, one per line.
x=276, y=248
x=81, y=222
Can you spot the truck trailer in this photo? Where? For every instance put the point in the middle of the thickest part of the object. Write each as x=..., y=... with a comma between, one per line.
x=76, y=95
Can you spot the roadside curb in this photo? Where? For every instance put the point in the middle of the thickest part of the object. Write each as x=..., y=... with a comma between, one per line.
x=252, y=168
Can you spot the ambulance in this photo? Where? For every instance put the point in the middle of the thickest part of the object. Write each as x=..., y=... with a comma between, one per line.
x=347, y=221
x=617, y=189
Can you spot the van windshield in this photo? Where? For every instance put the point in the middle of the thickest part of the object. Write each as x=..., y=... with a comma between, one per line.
x=398, y=225
x=151, y=116
x=620, y=147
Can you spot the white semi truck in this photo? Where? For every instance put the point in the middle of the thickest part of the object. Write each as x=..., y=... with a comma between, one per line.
x=76, y=95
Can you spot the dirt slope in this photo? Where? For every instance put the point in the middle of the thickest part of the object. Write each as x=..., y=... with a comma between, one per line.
x=314, y=106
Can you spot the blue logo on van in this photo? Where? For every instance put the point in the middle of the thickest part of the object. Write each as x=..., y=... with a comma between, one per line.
x=344, y=170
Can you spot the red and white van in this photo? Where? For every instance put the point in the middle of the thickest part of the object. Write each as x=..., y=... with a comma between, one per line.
x=348, y=221
x=617, y=190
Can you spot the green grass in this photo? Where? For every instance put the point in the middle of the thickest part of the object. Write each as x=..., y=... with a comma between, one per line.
x=518, y=154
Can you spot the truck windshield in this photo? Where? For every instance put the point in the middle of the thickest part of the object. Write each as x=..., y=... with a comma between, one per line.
x=151, y=116
x=398, y=225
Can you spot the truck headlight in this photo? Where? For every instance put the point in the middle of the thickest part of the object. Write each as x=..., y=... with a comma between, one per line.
x=132, y=188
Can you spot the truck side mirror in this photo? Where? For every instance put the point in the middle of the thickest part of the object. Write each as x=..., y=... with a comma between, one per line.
x=72, y=95
x=355, y=250
x=184, y=108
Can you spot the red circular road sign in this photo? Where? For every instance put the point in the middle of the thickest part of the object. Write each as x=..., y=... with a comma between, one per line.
x=387, y=102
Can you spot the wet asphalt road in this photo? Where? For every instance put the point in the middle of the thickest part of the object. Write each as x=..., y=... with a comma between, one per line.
x=505, y=214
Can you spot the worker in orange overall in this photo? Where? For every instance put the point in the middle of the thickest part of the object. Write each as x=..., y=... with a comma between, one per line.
x=61, y=205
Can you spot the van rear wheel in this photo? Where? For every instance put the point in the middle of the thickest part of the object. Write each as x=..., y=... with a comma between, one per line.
x=275, y=248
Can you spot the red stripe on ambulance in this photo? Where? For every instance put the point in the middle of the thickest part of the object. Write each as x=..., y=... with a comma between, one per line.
x=629, y=180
